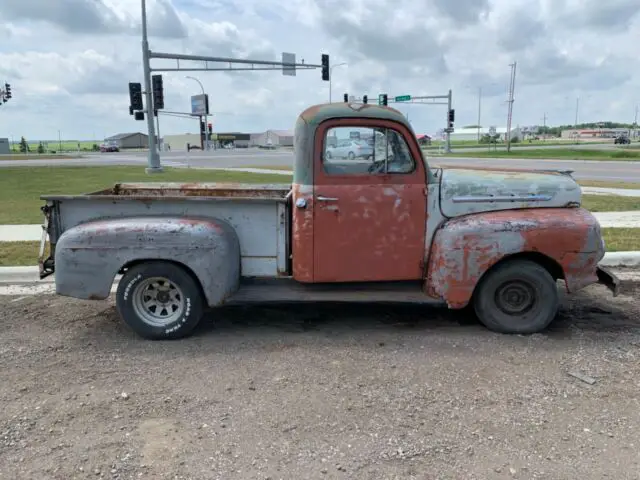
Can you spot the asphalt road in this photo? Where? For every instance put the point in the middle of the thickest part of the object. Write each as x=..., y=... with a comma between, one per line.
x=619, y=171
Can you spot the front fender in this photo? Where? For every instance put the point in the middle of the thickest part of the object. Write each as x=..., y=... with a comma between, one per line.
x=465, y=248
x=88, y=256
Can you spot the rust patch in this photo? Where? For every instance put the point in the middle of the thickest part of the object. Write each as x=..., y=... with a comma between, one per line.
x=302, y=233
x=146, y=192
x=466, y=248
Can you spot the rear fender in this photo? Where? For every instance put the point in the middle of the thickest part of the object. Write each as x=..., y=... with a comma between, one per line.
x=89, y=256
x=465, y=248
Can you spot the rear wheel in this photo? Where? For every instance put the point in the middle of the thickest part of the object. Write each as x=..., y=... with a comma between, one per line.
x=159, y=300
x=518, y=296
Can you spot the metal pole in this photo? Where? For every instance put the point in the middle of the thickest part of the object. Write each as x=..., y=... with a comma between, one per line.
x=448, y=147
x=158, y=128
x=479, y=106
x=206, y=142
x=512, y=87
x=576, y=119
x=154, y=157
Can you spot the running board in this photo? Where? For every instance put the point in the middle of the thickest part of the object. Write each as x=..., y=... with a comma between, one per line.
x=287, y=290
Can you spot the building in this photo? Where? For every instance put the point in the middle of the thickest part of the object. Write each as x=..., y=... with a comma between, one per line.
x=469, y=134
x=129, y=140
x=594, y=133
x=236, y=139
x=5, y=148
x=179, y=142
x=279, y=138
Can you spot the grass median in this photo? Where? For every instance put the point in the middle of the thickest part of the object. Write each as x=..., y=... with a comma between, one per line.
x=18, y=254
x=20, y=187
x=618, y=154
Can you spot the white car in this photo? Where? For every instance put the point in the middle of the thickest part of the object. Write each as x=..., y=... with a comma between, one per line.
x=350, y=149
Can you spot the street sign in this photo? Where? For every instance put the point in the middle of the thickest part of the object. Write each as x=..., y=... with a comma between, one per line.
x=380, y=98
x=200, y=105
x=403, y=98
x=289, y=64
x=492, y=130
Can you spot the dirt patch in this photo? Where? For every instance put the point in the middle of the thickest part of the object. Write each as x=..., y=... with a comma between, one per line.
x=322, y=391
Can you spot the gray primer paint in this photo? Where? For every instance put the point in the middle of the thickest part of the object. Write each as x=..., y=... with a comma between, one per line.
x=462, y=191
x=89, y=256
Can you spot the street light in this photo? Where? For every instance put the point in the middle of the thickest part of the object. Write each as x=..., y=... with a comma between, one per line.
x=206, y=133
x=331, y=76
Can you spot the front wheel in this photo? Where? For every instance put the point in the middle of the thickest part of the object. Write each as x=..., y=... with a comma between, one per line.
x=518, y=296
x=159, y=300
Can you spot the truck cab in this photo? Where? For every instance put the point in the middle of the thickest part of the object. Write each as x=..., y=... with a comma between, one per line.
x=372, y=224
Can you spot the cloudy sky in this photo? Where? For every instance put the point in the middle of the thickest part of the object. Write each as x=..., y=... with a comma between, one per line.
x=69, y=61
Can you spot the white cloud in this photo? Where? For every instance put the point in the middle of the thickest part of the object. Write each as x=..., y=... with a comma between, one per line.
x=69, y=61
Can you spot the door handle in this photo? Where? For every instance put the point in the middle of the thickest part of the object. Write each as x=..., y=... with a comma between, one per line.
x=326, y=199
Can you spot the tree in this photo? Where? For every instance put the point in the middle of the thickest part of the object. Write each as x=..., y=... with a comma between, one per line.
x=40, y=148
x=24, y=146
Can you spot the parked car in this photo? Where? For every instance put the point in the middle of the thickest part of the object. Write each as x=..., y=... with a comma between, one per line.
x=109, y=147
x=495, y=241
x=622, y=139
x=350, y=149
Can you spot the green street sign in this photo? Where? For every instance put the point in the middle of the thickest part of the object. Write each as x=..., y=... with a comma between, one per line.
x=403, y=98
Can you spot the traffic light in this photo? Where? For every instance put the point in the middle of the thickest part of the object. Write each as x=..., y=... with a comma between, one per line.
x=139, y=115
x=452, y=117
x=202, y=130
x=365, y=99
x=135, y=96
x=7, y=91
x=210, y=127
x=158, y=91
x=383, y=99
x=325, y=67
x=346, y=98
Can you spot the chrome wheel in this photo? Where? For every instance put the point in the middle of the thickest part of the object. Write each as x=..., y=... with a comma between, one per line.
x=158, y=302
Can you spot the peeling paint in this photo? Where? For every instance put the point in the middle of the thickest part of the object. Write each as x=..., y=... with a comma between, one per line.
x=465, y=248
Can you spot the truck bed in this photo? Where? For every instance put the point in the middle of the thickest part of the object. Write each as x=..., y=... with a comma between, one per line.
x=258, y=213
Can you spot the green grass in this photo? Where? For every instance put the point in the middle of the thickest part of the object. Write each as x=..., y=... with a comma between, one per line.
x=55, y=146
x=608, y=184
x=20, y=187
x=14, y=254
x=610, y=203
x=557, y=153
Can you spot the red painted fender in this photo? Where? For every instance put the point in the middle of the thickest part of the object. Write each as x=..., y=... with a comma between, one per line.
x=465, y=248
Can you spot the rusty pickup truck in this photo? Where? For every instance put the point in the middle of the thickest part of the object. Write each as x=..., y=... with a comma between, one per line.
x=367, y=219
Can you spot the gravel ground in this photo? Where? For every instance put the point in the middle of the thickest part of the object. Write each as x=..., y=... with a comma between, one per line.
x=321, y=392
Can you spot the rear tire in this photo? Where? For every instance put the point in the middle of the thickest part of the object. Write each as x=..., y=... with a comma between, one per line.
x=159, y=300
x=518, y=296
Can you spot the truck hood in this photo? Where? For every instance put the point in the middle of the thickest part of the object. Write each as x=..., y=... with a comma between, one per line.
x=465, y=191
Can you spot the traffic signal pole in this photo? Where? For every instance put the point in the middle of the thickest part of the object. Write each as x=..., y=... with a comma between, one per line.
x=448, y=148
x=153, y=162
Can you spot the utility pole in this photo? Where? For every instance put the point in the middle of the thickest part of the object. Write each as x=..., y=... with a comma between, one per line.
x=575, y=124
x=544, y=124
x=479, y=107
x=153, y=165
x=635, y=124
x=512, y=87
x=448, y=148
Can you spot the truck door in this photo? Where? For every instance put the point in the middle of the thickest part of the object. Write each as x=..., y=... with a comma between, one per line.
x=369, y=207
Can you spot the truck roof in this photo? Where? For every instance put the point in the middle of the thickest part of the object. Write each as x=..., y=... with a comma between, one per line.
x=318, y=113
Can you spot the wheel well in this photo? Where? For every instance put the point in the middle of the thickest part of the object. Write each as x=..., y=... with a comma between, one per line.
x=139, y=261
x=548, y=263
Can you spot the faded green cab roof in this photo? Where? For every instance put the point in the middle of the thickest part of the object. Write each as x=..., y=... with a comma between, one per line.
x=319, y=113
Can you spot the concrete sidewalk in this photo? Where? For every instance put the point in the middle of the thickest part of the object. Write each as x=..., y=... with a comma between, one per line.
x=31, y=233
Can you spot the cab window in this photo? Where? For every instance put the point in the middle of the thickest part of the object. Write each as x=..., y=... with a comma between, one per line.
x=366, y=151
